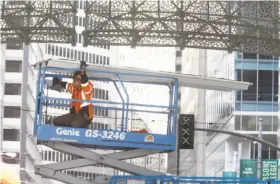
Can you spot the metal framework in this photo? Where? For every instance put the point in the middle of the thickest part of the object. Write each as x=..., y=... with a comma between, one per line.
x=91, y=158
x=38, y=21
x=247, y=26
x=225, y=25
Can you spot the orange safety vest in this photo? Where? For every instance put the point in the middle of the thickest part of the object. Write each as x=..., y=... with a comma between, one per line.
x=85, y=93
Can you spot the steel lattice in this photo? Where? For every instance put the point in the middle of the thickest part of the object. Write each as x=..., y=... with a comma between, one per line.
x=249, y=26
x=38, y=21
x=225, y=25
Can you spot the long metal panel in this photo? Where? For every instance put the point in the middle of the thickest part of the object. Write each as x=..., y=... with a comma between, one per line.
x=49, y=173
x=113, y=163
x=140, y=75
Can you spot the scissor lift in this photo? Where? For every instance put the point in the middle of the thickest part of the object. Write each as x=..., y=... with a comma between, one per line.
x=76, y=141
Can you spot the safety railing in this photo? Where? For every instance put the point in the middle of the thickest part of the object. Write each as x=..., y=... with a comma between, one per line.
x=125, y=106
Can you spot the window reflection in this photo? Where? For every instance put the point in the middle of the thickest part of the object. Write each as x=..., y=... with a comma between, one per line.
x=265, y=85
x=251, y=93
x=249, y=123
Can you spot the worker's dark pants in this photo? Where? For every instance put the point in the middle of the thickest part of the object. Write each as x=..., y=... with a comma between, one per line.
x=72, y=120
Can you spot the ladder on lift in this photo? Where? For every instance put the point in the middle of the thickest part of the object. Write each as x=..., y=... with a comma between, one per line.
x=74, y=140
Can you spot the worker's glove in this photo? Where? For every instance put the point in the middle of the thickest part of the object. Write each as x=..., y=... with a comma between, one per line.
x=56, y=85
x=56, y=81
x=83, y=66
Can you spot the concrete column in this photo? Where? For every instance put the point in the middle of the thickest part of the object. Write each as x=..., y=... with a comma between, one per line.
x=239, y=156
x=24, y=106
x=234, y=161
x=200, y=137
x=228, y=156
x=2, y=91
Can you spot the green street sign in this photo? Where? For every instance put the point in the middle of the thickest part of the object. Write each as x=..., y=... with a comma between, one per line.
x=269, y=169
x=248, y=168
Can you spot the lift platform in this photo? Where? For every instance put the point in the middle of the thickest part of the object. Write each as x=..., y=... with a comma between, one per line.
x=77, y=141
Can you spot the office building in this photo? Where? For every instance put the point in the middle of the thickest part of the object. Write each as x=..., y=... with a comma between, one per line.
x=233, y=111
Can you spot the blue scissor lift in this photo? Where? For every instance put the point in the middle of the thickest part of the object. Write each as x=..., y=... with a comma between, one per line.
x=76, y=141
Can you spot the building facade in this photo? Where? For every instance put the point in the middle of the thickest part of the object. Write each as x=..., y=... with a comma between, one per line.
x=234, y=111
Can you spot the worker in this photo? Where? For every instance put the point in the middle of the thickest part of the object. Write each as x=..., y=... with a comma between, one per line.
x=81, y=113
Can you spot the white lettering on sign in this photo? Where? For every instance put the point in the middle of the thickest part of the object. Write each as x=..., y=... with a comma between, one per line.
x=72, y=132
x=104, y=134
x=92, y=133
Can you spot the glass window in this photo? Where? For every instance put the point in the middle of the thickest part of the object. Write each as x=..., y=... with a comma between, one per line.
x=238, y=78
x=49, y=48
x=266, y=123
x=12, y=89
x=83, y=56
x=81, y=4
x=64, y=52
x=97, y=59
x=76, y=20
x=249, y=123
x=275, y=122
x=104, y=60
x=249, y=56
x=56, y=50
x=108, y=61
x=80, y=21
x=11, y=135
x=93, y=58
x=265, y=57
x=107, y=95
x=68, y=53
x=275, y=87
x=13, y=66
x=178, y=67
x=75, y=55
x=10, y=160
x=60, y=51
x=86, y=59
x=14, y=45
x=53, y=48
x=250, y=76
x=100, y=58
x=90, y=58
x=103, y=94
x=80, y=38
x=178, y=53
x=237, y=122
x=79, y=55
x=72, y=54
x=11, y=112
x=265, y=85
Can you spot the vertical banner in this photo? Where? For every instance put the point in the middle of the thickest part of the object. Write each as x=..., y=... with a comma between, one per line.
x=269, y=169
x=229, y=174
x=248, y=168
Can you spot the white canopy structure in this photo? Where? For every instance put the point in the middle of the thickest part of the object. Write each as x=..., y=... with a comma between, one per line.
x=134, y=74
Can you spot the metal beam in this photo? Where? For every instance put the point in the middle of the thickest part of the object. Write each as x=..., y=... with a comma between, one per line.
x=252, y=138
x=103, y=159
x=83, y=162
